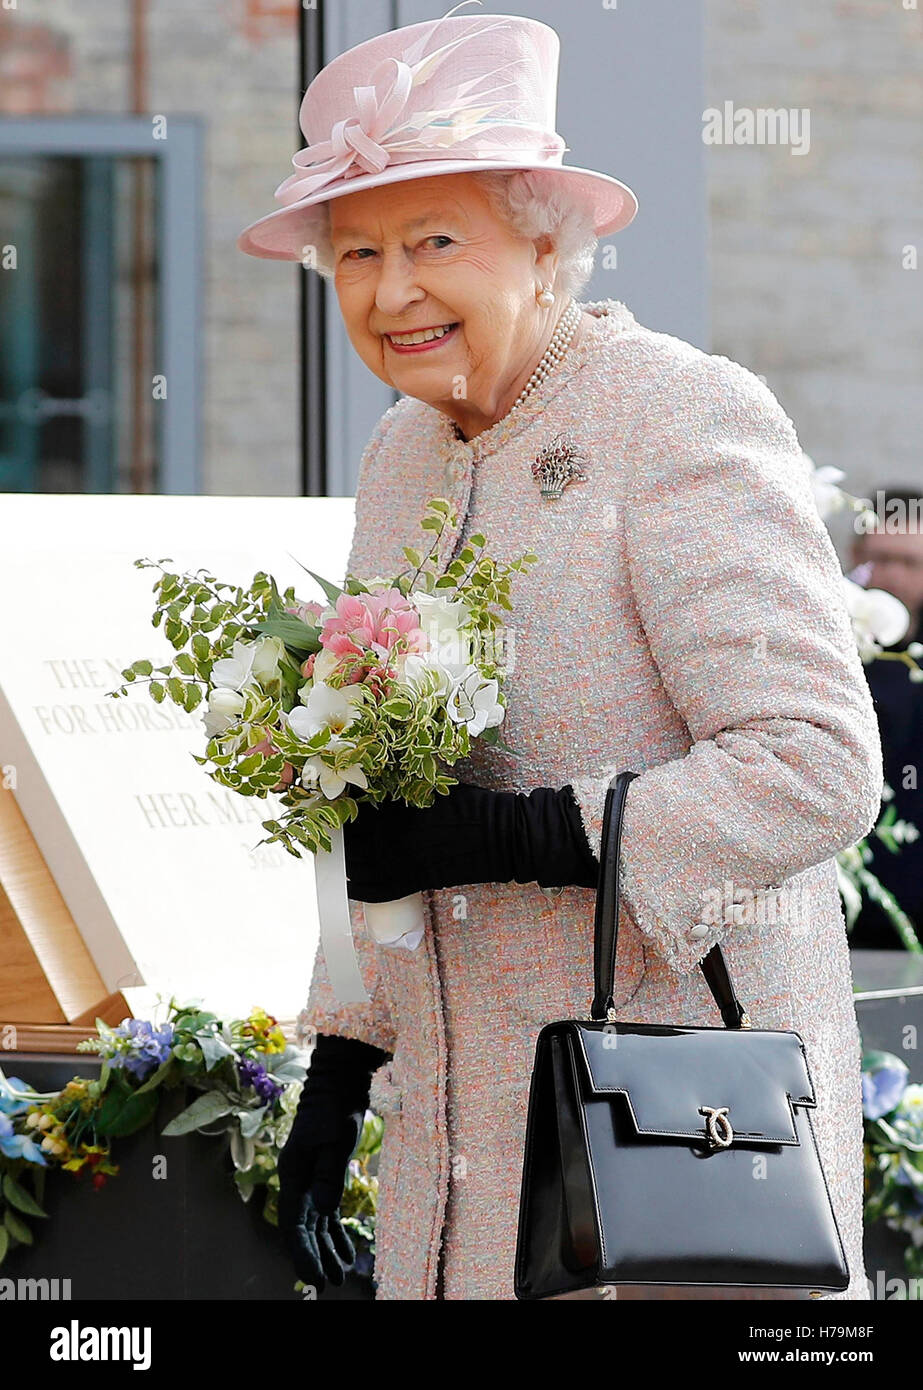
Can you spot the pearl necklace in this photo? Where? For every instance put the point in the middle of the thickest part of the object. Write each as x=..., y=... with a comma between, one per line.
x=560, y=342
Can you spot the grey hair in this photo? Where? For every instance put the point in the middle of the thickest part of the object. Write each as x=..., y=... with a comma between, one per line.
x=531, y=205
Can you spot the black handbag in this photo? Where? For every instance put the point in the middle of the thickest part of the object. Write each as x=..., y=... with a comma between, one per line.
x=665, y=1154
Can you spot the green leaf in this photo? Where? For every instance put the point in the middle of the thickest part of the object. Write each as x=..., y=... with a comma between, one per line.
x=203, y=1111
x=17, y=1227
x=18, y=1197
x=297, y=635
x=124, y=1110
x=396, y=708
x=214, y=1048
x=4, y=1243
x=331, y=591
x=144, y=667
x=157, y=692
x=287, y=1070
x=251, y=1121
x=184, y=663
x=243, y=1151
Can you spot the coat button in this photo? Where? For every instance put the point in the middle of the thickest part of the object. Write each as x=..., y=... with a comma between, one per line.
x=699, y=930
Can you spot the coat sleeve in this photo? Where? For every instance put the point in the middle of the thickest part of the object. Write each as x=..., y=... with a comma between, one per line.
x=323, y=1012
x=738, y=589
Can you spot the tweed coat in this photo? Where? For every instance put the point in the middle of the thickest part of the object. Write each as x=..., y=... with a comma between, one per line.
x=685, y=621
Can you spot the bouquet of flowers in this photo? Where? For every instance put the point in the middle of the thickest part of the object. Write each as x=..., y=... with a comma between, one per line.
x=372, y=696
x=893, y=1114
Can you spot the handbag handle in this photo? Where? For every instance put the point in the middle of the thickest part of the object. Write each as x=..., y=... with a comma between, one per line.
x=605, y=936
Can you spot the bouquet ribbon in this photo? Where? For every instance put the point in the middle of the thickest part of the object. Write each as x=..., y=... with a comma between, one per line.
x=336, y=933
x=395, y=926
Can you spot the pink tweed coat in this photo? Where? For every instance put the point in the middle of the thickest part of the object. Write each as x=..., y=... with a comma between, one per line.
x=685, y=621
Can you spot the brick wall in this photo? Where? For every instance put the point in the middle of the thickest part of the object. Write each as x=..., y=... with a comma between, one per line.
x=808, y=287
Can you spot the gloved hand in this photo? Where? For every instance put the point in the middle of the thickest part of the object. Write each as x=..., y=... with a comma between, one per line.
x=471, y=835
x=314, y=1159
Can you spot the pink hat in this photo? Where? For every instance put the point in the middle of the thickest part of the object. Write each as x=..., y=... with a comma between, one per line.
x=449, y=96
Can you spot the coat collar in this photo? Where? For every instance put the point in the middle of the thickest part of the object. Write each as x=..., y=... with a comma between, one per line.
x=608, y=316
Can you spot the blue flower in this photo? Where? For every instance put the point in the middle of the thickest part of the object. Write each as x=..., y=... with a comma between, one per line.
x=9, y=1104
x=884, y=1080
x=253, y=1073
x=147, y=1047
x=18, y=1145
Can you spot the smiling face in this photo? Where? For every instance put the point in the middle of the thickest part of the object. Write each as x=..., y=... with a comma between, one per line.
x=432, y=254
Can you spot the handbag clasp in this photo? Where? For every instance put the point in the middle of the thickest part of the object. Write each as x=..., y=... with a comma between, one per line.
x=717, y=1125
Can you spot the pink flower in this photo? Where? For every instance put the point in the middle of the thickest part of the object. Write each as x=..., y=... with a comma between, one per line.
x=308, y=612
x=373, y=622
x=307, y=667
x=378, y=678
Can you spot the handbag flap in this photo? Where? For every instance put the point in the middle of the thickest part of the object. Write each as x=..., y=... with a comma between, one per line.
x=668, y=1073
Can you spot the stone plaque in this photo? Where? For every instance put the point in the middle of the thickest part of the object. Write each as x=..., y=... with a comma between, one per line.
x=158, y=865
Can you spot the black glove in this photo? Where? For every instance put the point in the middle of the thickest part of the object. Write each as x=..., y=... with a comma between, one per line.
x=314, y=1160
x=471, y=835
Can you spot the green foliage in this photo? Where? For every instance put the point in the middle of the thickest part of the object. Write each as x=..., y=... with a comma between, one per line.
x=402, y=739
x=207, y=1056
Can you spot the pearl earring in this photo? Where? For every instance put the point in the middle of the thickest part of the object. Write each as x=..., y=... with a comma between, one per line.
x=545, y=297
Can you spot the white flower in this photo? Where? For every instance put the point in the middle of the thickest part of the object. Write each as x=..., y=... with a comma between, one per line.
x=325, y=662
x=878, y=618
x=249, y=662
x=415, y=667
x=224, y=709
x=266, y=657
x=474, y=702
x=326, y=708
x=828, y=497
x=442, y=620
x=316, y=774
x=235, y=671
x=904, y=832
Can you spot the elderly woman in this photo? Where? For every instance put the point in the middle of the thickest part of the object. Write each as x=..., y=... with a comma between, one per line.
x=685, y=622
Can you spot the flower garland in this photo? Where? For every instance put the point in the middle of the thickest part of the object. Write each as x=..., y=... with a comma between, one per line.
x=893, y=1109
x=249, y=1078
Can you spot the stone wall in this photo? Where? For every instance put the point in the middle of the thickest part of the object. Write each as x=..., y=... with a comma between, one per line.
x=811, y=285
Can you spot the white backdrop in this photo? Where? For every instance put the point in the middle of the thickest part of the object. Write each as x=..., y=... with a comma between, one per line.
x=157, y=863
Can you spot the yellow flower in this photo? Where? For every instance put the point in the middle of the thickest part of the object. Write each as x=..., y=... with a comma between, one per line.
x=264, y=1029
x=275, y=1041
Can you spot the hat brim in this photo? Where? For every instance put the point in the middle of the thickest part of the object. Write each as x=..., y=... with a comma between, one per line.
x=280, y=236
